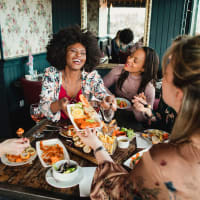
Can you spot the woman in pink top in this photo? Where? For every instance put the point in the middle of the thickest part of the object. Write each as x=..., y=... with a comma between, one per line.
x=136, y=76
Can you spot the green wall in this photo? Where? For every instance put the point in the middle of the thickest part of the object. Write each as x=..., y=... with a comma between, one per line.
x=166, y=23
x=13, y=70
x=65, y=13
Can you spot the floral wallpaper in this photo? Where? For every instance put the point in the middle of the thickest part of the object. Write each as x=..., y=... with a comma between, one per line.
x=25, y=26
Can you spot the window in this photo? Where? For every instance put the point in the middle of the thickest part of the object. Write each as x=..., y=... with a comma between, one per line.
x=133, y=18
x=198, y=22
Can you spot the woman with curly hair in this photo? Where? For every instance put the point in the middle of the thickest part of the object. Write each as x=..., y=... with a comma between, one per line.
x=168, y=170
x=137, y=76
x=73, y=55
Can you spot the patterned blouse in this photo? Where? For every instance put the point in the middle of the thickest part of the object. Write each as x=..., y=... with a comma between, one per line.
x=163, y=118
x=92, y=87
x=166, y=172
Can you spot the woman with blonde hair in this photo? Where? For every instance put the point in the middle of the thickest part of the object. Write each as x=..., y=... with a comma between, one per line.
x=169, y=170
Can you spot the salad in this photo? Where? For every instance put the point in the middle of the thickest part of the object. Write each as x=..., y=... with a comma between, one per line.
x=124, y=131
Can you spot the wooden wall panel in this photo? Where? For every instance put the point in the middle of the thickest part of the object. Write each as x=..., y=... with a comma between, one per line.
x=13, y=69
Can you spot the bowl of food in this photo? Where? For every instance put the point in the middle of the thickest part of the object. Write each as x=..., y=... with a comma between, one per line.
x=65, y=170
x=123, y=142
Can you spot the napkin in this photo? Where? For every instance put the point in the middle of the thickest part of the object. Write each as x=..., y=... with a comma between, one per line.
x=86, y=182
x=142, y=143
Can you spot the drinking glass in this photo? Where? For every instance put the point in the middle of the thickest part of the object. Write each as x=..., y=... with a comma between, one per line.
x=37, y=116
x=107, y=114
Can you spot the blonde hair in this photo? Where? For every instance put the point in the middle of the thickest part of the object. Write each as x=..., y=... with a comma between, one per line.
x=185, y=59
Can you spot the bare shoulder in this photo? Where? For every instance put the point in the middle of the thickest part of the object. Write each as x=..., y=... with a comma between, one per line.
x=164, y=152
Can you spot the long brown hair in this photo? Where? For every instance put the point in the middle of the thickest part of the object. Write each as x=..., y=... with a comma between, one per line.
x=185, y=59
x=150, y=70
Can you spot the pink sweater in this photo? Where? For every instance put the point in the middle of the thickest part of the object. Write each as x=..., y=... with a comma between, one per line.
x=129, y=88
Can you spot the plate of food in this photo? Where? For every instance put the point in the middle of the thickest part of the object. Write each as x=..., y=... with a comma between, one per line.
x=26, y=157
x=134, y=159
x=67, y=131
x=83, y=115
x=155, y=136
x=123, y=103
x=51, y=151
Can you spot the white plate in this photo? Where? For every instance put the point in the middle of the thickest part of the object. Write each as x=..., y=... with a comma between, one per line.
x=69, y=106
x=7, y=162
x=59, y=184
x=123, y=99
x=148, y=131
x=50, y=142
x=128, y=162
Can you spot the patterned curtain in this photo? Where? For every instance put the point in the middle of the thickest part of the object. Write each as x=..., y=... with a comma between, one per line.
x=126, y=3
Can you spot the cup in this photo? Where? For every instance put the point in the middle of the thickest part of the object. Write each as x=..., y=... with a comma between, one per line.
x=28, y=77
x=123, y=142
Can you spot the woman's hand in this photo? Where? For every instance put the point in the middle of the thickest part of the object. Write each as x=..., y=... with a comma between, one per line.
x=63, y=103
x=140, y=104
x=109, y=102
x=90, y=138
x=14, y=146
x=142, y=96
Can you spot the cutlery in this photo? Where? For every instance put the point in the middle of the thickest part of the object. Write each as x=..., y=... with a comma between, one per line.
x=46, y=130
x=51, y=126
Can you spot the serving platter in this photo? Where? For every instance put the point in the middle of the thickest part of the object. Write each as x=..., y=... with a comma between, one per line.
x=96, y=117
x=50, y=142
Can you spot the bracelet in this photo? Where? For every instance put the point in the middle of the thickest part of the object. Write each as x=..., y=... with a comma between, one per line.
x=147, y=106
x=98, y=149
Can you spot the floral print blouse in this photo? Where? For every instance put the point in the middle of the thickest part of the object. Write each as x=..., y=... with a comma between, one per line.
x=166, y=172
x=92, y=87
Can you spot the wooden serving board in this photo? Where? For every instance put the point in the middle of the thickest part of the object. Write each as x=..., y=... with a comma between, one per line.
x=119, y=155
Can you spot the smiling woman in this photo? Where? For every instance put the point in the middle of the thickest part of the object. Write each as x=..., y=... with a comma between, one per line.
x=73, y=54
x=138, y=75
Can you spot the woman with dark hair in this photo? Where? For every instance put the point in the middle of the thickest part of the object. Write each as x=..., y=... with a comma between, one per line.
x=73, y=54
x=164, y=116
x=138, y=75
x=168, y=170
x=120, y=45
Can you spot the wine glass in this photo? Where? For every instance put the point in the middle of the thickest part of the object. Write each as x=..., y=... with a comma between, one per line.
x=37, y=116
x=107, y=114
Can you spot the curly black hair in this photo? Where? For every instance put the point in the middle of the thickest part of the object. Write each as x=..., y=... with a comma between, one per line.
x=150, y=70
x=126, y=36
x=57, y=47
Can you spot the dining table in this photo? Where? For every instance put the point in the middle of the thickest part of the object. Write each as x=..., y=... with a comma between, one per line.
x=28, y=181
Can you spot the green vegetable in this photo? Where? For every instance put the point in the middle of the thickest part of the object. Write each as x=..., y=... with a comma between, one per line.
x=54, y=166
x=78, y=105
x=118, y=101
x=129, y=132
x=90, y=120
x=70, y=170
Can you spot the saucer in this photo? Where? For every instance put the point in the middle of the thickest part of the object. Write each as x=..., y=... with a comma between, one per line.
x=61, y=184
